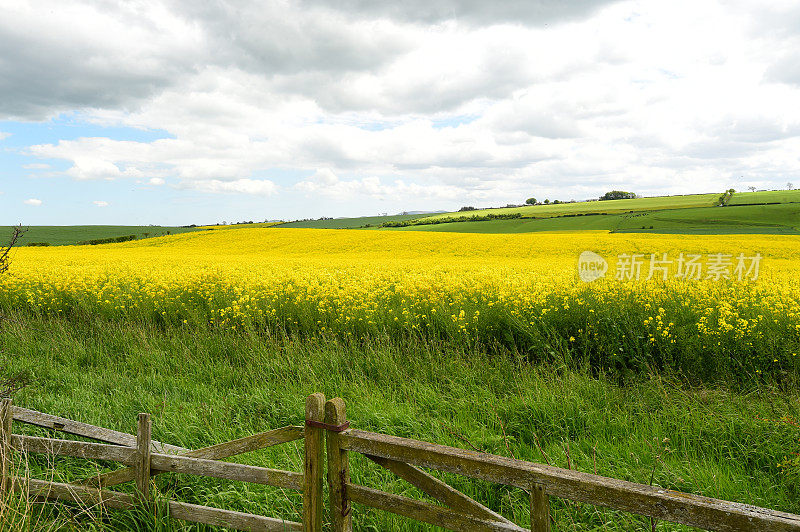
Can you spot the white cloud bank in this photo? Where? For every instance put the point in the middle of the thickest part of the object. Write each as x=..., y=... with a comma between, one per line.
x=252, y=187
x=100, y=203
x=33, y=202
x=435, y=101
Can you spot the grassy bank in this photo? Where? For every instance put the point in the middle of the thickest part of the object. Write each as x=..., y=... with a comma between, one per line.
x=205, y=386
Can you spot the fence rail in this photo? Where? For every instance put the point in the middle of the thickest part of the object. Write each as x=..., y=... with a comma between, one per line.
x=327, y=432
x=146, y=458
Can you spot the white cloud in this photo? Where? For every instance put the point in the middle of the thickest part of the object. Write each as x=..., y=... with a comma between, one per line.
x=536, y=12
x=253, y=187
x=453, y=101
x=36, y=166
x=4, y=135
x=101, y=203
x=326, y=183
x=33, y=202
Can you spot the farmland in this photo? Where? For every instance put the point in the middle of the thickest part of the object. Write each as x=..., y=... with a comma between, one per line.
x=763, y=212
x=349, y=223
x=222, y=333
x=73, y=234
x=780, y=219
x=519, y=291
x=609, y=206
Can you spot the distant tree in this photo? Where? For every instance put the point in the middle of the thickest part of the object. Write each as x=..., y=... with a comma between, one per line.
x=465, y=209
x=789, y=186
x=556, y=202
x=751, y=188
x=731, y=190
x=617, y=194
x=531, y=201
x=5, y=258
x=547, y=202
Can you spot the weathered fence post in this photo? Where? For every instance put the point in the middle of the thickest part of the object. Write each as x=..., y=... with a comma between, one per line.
x=338, y=468
x=540, y=509
x=313, y=469
x=143, y=437
x=6, y=417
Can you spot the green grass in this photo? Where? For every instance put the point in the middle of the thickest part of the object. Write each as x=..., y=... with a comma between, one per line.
x=60, y=235
x=611, y=206
x=523, y=225
x=783, y=219
x=206, y=386
x=766, y=196
x=350, y=223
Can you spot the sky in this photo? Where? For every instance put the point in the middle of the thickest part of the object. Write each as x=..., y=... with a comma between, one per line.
x=175, y=112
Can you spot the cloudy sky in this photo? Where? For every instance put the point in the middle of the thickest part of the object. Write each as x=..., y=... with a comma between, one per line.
x=178, y=112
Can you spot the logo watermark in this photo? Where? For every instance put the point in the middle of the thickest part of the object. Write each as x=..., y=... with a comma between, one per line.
x=591, y=266
x=694, y=267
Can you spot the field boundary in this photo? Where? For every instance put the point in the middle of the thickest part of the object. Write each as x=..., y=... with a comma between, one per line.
x=327, y=432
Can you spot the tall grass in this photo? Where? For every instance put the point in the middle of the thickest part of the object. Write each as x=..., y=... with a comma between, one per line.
x=725, y=331
x=209, y=385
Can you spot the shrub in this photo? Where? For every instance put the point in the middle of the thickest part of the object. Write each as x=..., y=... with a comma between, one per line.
x=111, y=240
x=617, y=194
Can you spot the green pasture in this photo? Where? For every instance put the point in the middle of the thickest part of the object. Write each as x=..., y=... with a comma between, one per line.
x=350, y=223
x=734, y=219
x=610, y=206
x=766, y=196
x=61, y=235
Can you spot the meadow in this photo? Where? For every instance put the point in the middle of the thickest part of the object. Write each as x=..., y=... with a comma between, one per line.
x=474, y=340
x=734, y=219
x=59, y=235
x=349, y=223
x=763, y=212
x=608, y=206
x=765, y=196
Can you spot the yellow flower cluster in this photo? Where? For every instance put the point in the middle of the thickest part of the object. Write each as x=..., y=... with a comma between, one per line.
x=516, y=288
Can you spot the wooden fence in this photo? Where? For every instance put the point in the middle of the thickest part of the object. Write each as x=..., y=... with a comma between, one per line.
x=327, y=429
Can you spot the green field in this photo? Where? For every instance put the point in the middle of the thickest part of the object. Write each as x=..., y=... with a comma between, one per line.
x=206, y=386
x=60, y=235
x=692, y=214
x=350, y=223
x=766, y=196
x=611, y=206
x=781, y=219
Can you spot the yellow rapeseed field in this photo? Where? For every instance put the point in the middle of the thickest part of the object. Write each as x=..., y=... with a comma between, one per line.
x=520, y=291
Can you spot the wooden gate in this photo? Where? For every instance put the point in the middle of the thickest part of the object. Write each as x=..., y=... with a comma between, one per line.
x=145, y=458
x=327, y=428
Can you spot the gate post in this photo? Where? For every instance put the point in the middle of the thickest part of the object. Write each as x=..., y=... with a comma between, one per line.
x=143, y=437
x=540, y=509
x=338, y=468
x=313, y=464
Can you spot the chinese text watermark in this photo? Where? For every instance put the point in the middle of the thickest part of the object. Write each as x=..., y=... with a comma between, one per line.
x=695, y=267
